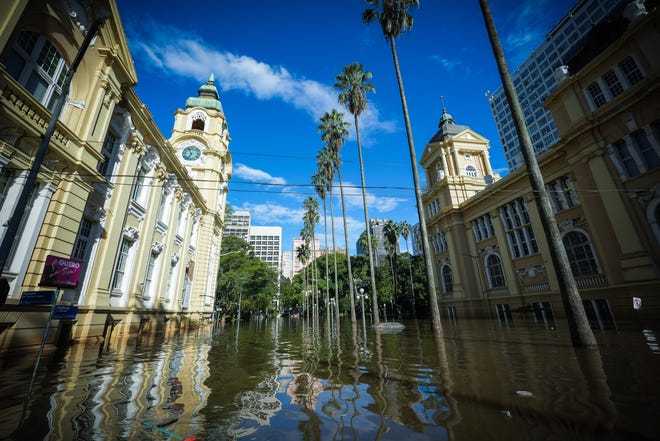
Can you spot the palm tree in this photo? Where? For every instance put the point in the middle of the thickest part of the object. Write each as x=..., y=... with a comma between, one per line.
x=327, y=163
x=391, y=235
x=302, y=254
x=354, y=84
x=311, y=215
x=334, y=130
x=320, y=182
x=406, y=230
x=394, y=20
x=578, y=324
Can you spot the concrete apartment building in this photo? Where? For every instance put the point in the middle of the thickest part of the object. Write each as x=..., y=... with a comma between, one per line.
x=602, y=176
x=112, y=193
x=238, y=224
x=535, y=79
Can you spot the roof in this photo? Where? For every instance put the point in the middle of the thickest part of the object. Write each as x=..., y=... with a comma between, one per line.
x=207, y=98
x=447, y=127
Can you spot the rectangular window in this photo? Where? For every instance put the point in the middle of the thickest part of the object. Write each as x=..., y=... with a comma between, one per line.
x=648, y=154
x=6, y=176
x=562, y=194
x=147, y=278
x=120, y=268
x=596, y=94
x=519, y=231
x=106, y=150
x=613, y=83
x=21, y=226
x=630, y=70
x=82, y=240
x=626, y=158
x=138, y=184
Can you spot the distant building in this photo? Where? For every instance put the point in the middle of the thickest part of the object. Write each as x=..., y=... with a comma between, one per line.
x=318, y=252
x=267, y=244
x=491, y=255
x=287, y=264
x=377, y=235
x=238, y=224
x=537, y=77
x=314, y=252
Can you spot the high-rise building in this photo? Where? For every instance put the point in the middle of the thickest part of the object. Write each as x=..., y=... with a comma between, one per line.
x=377, y=235
x=537, y=77
x=238, y=224
x=287, y=264
x=267, y=245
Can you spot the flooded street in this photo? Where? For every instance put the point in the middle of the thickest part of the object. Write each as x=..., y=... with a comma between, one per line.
x=285, y=379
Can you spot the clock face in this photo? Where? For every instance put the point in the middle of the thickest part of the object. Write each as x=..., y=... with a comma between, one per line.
x=191, y=153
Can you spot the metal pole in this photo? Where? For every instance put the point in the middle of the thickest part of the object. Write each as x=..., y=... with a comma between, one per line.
x=17, y=214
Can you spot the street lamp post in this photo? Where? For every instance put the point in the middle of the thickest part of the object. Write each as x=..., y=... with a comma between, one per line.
x=362, y=303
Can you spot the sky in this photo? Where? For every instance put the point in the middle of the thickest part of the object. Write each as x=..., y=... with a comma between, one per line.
x=275, y=63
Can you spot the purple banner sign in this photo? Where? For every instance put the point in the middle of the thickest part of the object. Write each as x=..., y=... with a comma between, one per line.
x=61, y=272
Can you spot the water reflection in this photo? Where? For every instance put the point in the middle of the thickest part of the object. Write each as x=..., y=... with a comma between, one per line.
x=287, y=379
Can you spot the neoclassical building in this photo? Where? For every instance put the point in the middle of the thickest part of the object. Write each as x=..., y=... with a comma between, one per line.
x=112, y=191
x=603, y=179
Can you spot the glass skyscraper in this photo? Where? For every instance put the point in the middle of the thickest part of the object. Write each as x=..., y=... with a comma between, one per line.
x=534, y=79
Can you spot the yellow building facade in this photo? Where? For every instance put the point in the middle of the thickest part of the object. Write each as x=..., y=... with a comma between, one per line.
x=603, y=176
x=112, y=191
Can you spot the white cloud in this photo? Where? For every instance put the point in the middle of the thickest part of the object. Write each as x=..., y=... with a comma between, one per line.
x=242, y=171
x=189, y=57
x=524, y=28
x=270, y=213
x=446, y=63
x=353, y=199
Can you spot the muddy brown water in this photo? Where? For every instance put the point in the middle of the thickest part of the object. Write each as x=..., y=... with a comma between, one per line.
x=287, y=379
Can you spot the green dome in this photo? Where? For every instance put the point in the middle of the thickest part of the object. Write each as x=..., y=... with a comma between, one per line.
x=208, y=97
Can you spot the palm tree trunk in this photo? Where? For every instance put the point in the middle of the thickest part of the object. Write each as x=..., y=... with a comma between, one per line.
x=351, y=289
x=372, y=272
x=412, y=286
x=334, y=258
x=435, y=311
x=327, y=272
x=581, y=333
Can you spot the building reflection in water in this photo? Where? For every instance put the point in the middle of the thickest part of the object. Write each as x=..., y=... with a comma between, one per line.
x=285, y=379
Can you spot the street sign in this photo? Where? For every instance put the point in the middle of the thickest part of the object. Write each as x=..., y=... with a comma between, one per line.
x=65, y=312
x=37, y=298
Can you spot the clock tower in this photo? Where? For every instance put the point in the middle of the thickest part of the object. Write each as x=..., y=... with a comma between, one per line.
x=201, y=140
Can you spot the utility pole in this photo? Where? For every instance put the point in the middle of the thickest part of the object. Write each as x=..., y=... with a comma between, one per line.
x=17, y=214
x=581, y=333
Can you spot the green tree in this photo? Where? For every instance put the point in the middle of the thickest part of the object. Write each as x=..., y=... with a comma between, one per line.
x=406, y=231
x=391, y=236
x=334, y=130
x=302, y=254
x=244, y=281
x=394, y=19
x=353, y=82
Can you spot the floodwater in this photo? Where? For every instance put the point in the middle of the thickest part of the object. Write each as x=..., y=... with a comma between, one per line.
x=287, y=379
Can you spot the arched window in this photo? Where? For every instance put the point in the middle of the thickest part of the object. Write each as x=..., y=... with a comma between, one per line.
x=447, y=280
x=494, y=271
x=198, y=124
x=38, y=66
x=471, y=171
x=580, y=253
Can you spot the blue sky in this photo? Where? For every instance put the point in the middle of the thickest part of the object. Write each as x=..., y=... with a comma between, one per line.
x=275, y=64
